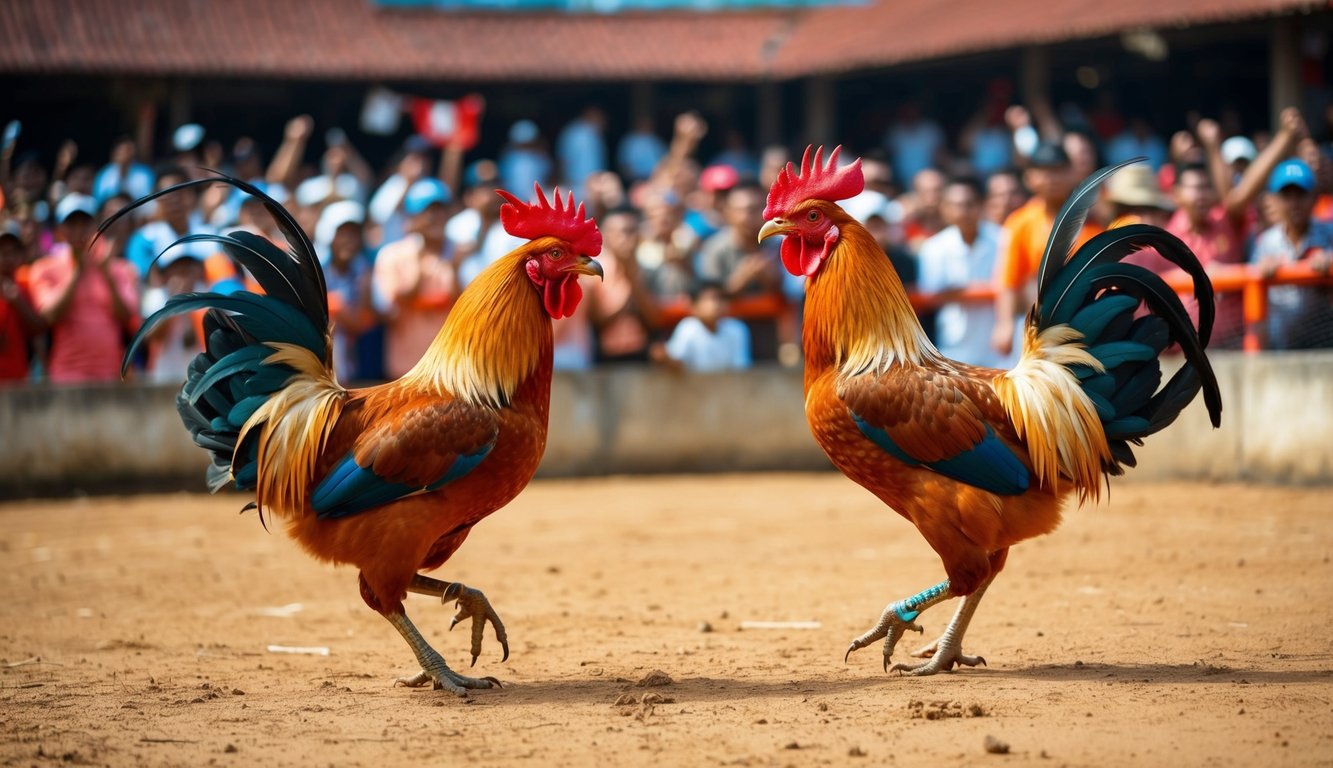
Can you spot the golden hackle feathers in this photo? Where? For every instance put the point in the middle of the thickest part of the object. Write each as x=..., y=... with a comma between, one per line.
x=294, y=425
x=494, y=338
x=858, y=318
x=1049, y=410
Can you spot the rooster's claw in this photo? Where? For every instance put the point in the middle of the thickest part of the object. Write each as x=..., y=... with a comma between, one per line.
x=471, y=603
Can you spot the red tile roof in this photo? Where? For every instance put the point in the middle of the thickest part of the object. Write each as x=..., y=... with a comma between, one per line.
x=356, y=39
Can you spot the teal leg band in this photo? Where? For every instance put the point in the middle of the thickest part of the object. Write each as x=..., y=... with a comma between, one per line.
x=912, y=607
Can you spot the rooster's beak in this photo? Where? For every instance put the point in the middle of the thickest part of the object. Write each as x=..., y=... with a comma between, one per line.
x=585, y=266
x=774, y=227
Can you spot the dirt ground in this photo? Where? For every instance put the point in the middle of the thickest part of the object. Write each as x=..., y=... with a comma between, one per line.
x=1177, y=624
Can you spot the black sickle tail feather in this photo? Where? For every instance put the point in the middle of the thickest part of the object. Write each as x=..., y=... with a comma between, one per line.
x=227, y=382
x=1096, y=294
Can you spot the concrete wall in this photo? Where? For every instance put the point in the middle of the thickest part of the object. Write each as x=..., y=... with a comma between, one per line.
x=1277, y=427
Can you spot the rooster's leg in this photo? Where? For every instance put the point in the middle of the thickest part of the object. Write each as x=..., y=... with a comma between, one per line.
x=897, y=619
x=432, y=664
x=947, y=651
x=471, y=603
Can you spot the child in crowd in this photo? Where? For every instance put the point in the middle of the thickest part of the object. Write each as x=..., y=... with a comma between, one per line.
x=708, y=340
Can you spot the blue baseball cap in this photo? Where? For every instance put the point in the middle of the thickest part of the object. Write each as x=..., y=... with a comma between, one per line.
x=1291, y=173
x=424, y=193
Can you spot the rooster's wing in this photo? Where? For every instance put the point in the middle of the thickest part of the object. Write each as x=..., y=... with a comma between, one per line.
x=419, y=446
x=929, y=418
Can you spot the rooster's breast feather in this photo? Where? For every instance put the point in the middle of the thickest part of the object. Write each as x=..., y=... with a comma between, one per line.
x=420, y=445
x=930, y=419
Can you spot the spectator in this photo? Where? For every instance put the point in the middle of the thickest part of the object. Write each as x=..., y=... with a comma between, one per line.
x=736, y=155
x=640, y=150
x=960, y=256
x=1026, y=230
x=581, y=148
x=1298, y=317
x=415, y=282
x=176, y=340
x=175, y=218
x=19, y=319
x=524, y=161
x=622, y=310
x=985, y=139
x=344, y=174
x=707, y=341
x=922, y=208
x=733, y=258
x=386, y=205
x=1004, y=195
x=87, y=298
x=340, y=241
x=1211, y=213
x=666, y=249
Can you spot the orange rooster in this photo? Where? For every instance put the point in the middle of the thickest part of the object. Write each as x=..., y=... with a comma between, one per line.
x=390, y=478
x=980, y=459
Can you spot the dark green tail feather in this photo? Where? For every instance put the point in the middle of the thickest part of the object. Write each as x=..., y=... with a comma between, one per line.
x=229, y=380
x=1088, y=290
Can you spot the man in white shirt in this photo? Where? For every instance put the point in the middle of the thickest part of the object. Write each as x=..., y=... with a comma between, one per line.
x=960, y=255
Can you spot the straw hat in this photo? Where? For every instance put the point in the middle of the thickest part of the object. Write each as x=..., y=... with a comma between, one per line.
x=1136, y=186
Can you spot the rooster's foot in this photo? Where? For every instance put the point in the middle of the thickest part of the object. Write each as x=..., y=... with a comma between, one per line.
x=444, y=678
x=939, y=661
x=471, y=603
x=897, y=618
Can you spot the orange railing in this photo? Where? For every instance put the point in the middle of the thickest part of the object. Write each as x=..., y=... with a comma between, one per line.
x=1231, y=278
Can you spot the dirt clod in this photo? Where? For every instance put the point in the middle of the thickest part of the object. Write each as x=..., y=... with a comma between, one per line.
x=995, y=747
x=654, y=678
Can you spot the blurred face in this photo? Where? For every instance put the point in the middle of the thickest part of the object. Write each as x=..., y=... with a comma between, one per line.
x=710, y=306
x=960, y=207
x=745, y=213
x=80, y=179
x=176, y=206
x=1082, y=155
x=122, y=153
x=346, y=243
x=620, y=235
x=928, y=186
x=77, y=230
x=430, y=222
x=1051, y=184
x=1294, y=207
x=1004, y=195
x=1194, y=193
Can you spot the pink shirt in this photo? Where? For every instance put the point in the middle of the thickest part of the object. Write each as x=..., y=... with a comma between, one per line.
x=1218, y=241
x=413, y=325
x=86, y=343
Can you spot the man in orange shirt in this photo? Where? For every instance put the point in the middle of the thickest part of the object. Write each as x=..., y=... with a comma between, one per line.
x=1023, y=241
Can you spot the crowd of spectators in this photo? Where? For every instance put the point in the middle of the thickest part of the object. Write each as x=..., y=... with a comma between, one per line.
x=686, y=284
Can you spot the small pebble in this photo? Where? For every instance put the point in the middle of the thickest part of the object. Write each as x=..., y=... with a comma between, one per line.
x=996, y=747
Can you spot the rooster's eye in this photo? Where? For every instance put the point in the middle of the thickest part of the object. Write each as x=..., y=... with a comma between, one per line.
x=557, y=255
x=812, y=216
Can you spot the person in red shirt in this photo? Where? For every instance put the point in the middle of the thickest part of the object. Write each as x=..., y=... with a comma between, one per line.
x=88, y=298
x=1212, y=214
x=19, y=320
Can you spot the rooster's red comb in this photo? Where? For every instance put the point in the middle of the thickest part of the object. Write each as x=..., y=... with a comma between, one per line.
x=815, y=181
x=540, y=219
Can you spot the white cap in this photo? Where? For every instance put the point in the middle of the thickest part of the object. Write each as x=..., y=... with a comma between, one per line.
x=75, y=203
x=336, y=215
x=1238, y=148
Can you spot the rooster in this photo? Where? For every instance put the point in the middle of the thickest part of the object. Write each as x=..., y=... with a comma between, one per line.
x=389, y=478
x=980, y=459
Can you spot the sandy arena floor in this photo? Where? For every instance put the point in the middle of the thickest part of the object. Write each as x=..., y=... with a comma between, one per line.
x=1177, y=625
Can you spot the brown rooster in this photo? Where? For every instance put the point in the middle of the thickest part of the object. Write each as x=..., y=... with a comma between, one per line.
x=980, y=459
x=390, y=478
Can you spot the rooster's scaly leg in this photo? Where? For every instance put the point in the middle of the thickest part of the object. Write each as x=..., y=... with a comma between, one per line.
x=471, y=603
x=947, y=651
x=432, y=664
x=897, y=619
